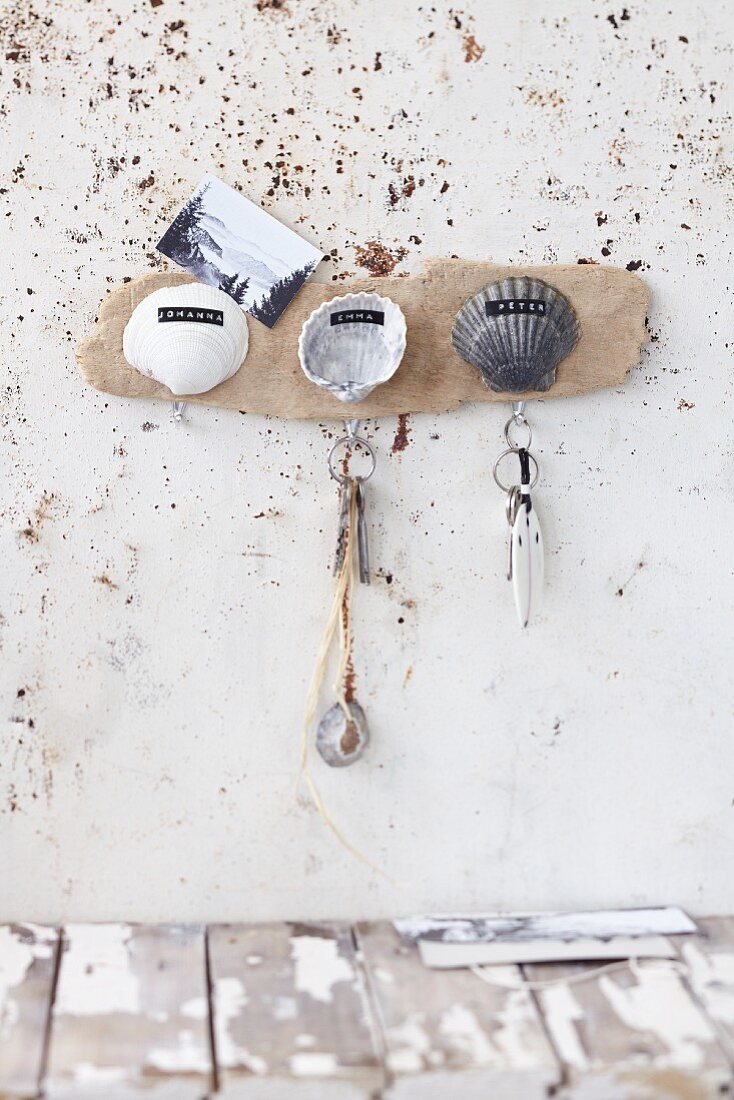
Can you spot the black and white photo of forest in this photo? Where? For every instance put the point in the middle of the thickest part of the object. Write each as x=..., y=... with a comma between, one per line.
x=227, y=241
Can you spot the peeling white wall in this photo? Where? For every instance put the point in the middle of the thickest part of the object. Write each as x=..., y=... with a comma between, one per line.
x=163, y=591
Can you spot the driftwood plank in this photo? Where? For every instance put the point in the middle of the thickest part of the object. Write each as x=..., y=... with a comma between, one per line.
x=630, y=1035
x=709, y=957
x=130, y=1017
x=611, y=304
x=27, y=968
x=290, y=1013
x=447, y=1033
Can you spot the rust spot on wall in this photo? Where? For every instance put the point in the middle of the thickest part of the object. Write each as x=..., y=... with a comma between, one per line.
x=350, y=676
x=401, y=440
x=105, y=580
x=552, y=99
x=472, y=50
x=378, y=259
x=272, y=5
x=350, y=739
x=41, y=513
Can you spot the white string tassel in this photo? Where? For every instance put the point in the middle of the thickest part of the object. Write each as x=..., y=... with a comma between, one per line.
x=339, y=616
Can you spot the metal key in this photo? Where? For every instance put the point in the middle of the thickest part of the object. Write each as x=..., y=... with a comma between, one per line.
x=345, y=497
x=362, y=543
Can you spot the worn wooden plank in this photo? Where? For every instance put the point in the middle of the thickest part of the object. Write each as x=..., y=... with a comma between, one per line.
x=448, y=1034
x=611, y=304
x=27, y=968
x=130, y=1017
x=631, y=1034
x=291, y=1013
x=709, y=957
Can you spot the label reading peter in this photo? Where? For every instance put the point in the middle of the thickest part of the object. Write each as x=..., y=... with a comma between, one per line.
x=502, y=306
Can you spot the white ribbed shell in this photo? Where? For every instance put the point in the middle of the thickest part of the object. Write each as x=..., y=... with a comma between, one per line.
x=187, y=356
x=517, y=352
x=350, y=359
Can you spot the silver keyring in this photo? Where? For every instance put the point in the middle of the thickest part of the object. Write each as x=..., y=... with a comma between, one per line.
x=517, y=420
x=512, y=503
x=353, y=440
x=512, y=451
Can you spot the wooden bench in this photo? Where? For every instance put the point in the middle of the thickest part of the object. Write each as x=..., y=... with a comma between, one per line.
x=340, y=1012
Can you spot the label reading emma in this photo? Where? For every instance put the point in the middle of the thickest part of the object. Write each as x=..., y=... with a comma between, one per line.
x=358, y=316
x=191, y=313
x=515, y=305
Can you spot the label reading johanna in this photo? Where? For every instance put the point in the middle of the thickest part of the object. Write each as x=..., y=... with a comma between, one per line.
x=191, y=313
x=514, y=305
x=360, y=316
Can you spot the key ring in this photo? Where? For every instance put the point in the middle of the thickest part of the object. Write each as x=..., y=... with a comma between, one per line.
x=518, y=420
x=513, y=451
x=353, y=440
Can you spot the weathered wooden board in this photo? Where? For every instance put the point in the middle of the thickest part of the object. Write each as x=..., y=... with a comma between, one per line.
x=291, y=1014
x=611, y=304
x=447, y=1034
x=709, y=957
x=27, y=969
x=130, y=1017
x=630, y=1035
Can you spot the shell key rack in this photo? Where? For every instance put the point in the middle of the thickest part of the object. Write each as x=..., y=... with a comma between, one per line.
x=463, y=331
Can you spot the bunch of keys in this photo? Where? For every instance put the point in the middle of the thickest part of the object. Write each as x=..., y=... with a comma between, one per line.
x=352, y=503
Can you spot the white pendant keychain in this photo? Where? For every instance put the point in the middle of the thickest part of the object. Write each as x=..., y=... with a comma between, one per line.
x=525, y=564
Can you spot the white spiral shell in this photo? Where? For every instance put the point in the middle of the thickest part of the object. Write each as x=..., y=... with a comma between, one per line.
x=349, y=358
x=183, y=347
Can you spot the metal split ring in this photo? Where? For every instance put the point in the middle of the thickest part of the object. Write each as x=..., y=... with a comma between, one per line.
x=518, y=420
x=512, y=504
x=513, y=451
x=353, y=440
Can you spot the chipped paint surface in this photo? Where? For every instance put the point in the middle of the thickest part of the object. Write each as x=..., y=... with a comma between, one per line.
x=319, y=966
x=298, y=1013
x=15, y=959
x=131, y=1011
x=229, y=1000
x=163, y=590
x=563, y=1015
x=712, y=978
x=97, y=975
x=659, y=1004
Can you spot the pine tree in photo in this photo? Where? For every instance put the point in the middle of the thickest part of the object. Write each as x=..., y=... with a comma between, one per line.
x=272, y=304
x=228, y=283
x=235, y=287
x=179, y=240
x=240, y=291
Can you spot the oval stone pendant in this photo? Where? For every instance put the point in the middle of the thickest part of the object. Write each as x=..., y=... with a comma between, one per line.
x=341, y=740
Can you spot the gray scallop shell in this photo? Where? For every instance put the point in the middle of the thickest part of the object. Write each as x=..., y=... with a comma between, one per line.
x=351, y=358
x=518, y=348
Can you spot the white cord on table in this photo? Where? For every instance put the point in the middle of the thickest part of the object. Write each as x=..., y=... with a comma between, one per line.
x=664, y=965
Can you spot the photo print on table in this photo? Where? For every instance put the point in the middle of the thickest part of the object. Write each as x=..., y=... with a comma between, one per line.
x=227, y=241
